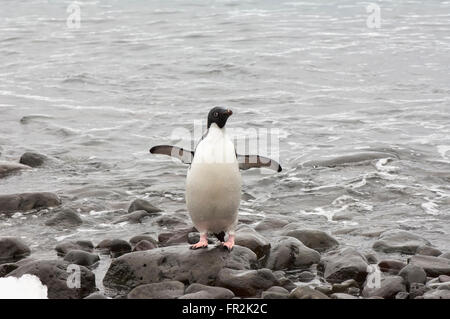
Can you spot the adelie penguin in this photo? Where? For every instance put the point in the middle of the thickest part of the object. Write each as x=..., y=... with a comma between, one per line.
x=213, y=182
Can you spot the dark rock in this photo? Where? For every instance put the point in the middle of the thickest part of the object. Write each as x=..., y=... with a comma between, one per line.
x=194, y=237
x=6, y=269
x=104, y=245
x=55, y=275
x=289, y=253
x=65, y=218
x=270, y=224
x=399, y=241
x=96, y=295
x=119, y=247
x=413, y=274
x=199, y=291
x=390, y=286
x=417, y=290
x=325, y=289
x=175, y=263
x=161, y=290
x=142, y=204
x=306, y=276
x=428, y=251
x=135, y=217
x=372, y=257
x=7, y=168
x=63, y=248
x=391, y=266
x=28, y=201
x=433, y=266
x=344, y=286
x=246, y=283
x=171, y=221
x=444, y=278
x=275, y=292
x=81, y=257
x=33, y=159
x=249, y=238
x=12, y=249
x=144, y=245
x=307, y=293
x=402, y=295
x=134, y=240
x=344, y=264
x=340, y=295
x=175, y=237
x=314, y=239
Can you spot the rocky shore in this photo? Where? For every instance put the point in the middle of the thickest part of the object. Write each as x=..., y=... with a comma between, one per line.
x=274, y=258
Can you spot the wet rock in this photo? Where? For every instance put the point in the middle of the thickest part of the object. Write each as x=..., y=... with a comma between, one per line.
x=64, y=219
x=433, y=266
x=136, y=239
x=340, y=295
x=399, y=241
x=249, y=238
x=142, y=204
x=7, y=168
x=144, y=245
x=194, y=237
x=428, y=251
x=246, y=283
x=54, y=274
x=33, y=159
x=306, y=292
x=402, y=295
x=104, y=246
x=314, y=239
x=391, y=266
x=343, y=215
x=270, y=224
x=389, y=287
x=175, y=263
x=6, y=269
x=135, y=217
x=372, y=257
x=12, y=249
x=344, y=286
x=175, y=237
x=275, y=292
x=445, y=255
x=349, y=159
x=444, y=278
x=81, y=257
x=199, y=291
x=413, y=274
x=28, y=201
x=161, y=290
x=437, y=294
x=289, y=253
x=344, y=264
x=119, y=247
x=63, y=248
x=306, y=276
x=96, y=295
x=171, y=221
x=417, y=290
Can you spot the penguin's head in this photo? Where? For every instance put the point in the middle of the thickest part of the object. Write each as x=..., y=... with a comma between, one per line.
x=218, y=115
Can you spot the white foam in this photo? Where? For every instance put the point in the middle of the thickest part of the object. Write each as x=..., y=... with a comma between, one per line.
x=25, y=287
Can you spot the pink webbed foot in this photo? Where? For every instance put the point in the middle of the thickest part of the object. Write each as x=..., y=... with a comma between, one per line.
x=229, y=244
x=202, y=243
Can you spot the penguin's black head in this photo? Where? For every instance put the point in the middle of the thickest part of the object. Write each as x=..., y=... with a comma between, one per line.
x=219, y=116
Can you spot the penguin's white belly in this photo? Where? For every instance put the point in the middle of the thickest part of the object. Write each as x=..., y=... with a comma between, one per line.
x=213, y=195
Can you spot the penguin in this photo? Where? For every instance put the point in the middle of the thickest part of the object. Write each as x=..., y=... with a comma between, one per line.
x=213, y=181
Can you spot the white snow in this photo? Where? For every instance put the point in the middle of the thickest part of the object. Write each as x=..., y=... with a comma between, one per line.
x=25, y=287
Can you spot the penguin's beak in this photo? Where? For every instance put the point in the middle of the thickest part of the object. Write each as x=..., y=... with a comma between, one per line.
x=229, y=112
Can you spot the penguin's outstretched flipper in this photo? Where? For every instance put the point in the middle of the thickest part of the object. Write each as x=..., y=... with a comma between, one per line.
x=183, y=155
x=252, y=161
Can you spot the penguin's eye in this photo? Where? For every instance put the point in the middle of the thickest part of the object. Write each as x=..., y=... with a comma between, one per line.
x=216, y=114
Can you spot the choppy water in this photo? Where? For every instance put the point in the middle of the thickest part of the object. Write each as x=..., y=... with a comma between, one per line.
x=98, y=97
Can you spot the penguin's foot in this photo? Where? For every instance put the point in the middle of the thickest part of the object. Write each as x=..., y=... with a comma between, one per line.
x=202, y=243
x=229, y=244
